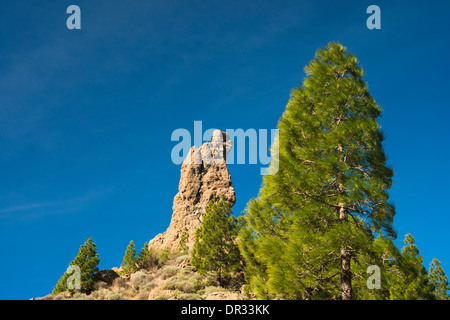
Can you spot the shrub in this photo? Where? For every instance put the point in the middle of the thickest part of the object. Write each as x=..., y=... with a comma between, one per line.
x=170, y=285
x=101, y=294
x=169, y=271
x=181, y=258
x=161, y=296
x=163, y=256
x=138, y=279
x=207, y=281
x=80, y=296
x=175, y=293
x=116, y=295
x=185, y=286
x=211, y=289
x=142, y=296
x=121, y=283
x=148, y=286
x=187, y=269
x=189, y=296
x=100, y=285
x=60, y=296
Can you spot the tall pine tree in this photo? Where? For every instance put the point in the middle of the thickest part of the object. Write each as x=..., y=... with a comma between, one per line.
x=438, y=280
x=215, y=250
x=129, y=262
x=87, y=260
x=314, y=222
x=408, y=278
x=147, y=258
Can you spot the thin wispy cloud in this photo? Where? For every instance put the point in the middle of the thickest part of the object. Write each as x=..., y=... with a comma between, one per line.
x=40, y=209
x=26, y=207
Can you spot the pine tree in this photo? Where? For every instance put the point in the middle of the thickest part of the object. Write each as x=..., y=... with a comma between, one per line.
x=316, y=219
x=87, y=260
x=215, y=250
x=129, y=262
x=409, y=278
x=146, y=258
x=184, y=248
x=439, y=280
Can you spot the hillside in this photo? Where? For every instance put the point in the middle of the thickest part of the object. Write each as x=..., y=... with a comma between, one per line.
x=171, y=278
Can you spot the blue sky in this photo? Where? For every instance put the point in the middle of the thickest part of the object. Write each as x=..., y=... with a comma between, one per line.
x=86, y=115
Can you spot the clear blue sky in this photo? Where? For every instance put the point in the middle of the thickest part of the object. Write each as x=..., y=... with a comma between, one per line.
x=86, y=115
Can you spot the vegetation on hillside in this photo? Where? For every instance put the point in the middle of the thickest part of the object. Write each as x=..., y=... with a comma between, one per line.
x=166, y=275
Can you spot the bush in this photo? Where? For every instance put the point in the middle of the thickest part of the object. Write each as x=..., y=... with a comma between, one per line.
x=170, y=285
x=169, y=271
x=80, y=296
x=121, y=283
x=161, y=296
x=207, y=281
x=211, y=289
x=116, y=295
x=148, y=287
x=163, y=256
x=142, y=296
x=180, y=259
x=185, y=286
x=139, y=275
x=139, y=279
x=189, y=296
x=188, y=269
x=60, y=296
x=101, y=294
x=100, y=285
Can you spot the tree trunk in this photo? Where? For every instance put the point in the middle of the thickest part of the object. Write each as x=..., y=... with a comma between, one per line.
x=307, y=294
x=346, y=274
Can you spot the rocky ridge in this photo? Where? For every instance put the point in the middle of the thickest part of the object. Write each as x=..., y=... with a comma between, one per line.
x=204, y=177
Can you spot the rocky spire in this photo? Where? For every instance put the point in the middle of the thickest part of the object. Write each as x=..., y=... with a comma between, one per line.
x=204, y=176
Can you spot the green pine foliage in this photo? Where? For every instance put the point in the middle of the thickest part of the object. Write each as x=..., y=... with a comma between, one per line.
x=129, y=262
x=438, y=280
x=147, y=258
x=408, y=278
x=313, y=226
x=87, y=260
x=184, y=248
x=215, y=250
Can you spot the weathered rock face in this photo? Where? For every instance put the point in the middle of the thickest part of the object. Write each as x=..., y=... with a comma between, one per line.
x=204, y=176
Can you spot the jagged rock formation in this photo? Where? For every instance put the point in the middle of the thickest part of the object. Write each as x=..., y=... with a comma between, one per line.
x=204, y=176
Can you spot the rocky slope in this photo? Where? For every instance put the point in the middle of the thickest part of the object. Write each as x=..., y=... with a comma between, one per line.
x=171, y=279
